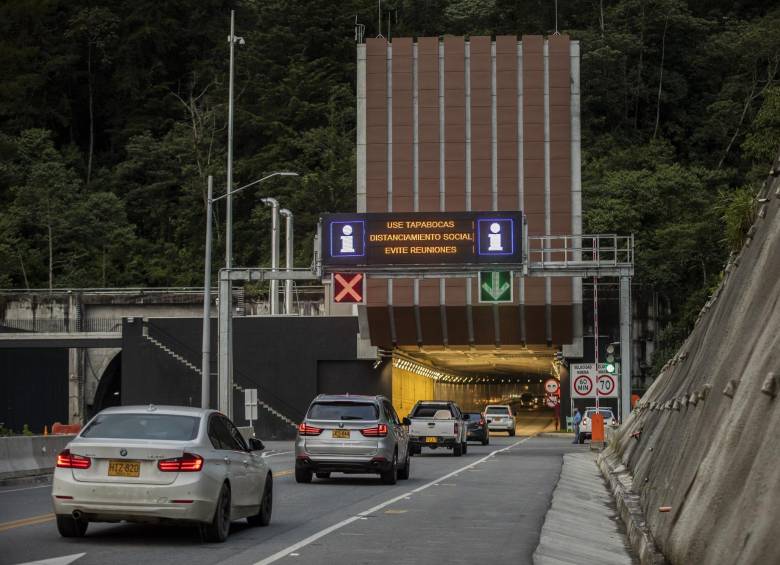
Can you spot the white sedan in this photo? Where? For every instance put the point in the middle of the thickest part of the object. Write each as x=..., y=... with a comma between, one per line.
x=161, y=464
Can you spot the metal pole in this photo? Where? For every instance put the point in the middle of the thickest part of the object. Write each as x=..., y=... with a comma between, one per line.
x=225, y=386
x=625, y=347
x=229, y=187
x=288, y=259
x=205, y=378
x=596, y=335
x=274, y=204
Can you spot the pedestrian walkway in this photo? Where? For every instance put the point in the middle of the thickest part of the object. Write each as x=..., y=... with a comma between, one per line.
x=582, y=525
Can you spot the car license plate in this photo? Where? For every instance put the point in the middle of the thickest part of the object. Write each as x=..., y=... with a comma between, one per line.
x=119, y=468
x=430, y=440
x=342, y=434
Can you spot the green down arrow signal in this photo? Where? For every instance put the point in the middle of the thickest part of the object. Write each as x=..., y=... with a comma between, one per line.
x=495, y=286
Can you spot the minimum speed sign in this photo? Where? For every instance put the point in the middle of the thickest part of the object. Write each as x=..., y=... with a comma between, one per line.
x=582, y=386
x=605, y=386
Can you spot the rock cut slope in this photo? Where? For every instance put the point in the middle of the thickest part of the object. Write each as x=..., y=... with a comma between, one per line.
x=708, y=443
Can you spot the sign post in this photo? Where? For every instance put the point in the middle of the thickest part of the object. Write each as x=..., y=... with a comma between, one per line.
x=250, y=406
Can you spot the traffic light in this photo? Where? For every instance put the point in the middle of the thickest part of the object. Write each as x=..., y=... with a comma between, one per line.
x=613, y=354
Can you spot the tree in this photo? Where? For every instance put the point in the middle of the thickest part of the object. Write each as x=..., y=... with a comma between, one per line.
x=95, y=28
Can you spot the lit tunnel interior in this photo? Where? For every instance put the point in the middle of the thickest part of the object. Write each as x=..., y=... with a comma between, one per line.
x=474, y=377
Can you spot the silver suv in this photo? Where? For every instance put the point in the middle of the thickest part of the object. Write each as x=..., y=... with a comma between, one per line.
x=352, y=434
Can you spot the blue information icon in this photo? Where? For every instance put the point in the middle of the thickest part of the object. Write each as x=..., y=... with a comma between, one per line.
x=495, y=236
x=347, y=239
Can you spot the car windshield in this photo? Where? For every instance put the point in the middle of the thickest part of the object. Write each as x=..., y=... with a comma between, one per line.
x=428, y=410
x=606, y=413
x=162, y=427
x=343, y=411
x=497, y=410
x=474, y=415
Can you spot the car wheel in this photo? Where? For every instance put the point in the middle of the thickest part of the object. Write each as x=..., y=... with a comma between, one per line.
x=581, y=438
x=389, y=476
x=69, y=527
x=457, y=451
x=485, y=439
x=219, y=528
x=302, y=475
x=403, y=472
x=323, y=475
x=512, y=432
x=263, y=516
x=465, y=448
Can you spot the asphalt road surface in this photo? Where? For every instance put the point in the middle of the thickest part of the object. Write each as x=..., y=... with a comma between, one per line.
x=488, y=504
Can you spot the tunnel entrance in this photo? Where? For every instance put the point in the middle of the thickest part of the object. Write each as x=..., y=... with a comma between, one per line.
x=474, y=377
x=109, y=390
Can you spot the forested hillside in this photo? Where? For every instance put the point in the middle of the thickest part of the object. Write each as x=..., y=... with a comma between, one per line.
x=112, y=115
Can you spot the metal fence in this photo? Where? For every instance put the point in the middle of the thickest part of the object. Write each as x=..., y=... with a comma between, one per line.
x=63, y=325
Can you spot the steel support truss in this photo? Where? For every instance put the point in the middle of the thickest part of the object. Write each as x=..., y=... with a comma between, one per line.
x=544, y=256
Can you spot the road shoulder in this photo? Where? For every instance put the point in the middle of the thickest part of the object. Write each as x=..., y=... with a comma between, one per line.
x=582, y=524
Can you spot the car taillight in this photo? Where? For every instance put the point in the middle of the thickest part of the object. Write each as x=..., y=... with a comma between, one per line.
x=482, y=421
x=306, y=430
x=457, y=429
x=376, y=431
x=188, y=462
x=68, y=460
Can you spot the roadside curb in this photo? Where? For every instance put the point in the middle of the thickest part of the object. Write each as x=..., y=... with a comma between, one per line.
x=627, y=501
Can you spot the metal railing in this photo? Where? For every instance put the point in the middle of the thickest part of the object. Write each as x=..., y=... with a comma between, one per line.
x=63, y=325
x=597, y=251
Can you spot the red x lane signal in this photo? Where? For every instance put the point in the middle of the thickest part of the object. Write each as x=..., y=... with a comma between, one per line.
x=348, y=287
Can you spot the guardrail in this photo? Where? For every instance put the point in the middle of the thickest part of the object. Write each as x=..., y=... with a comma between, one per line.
x=29, y=456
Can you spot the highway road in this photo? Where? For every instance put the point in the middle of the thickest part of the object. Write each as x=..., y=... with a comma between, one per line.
x=488, y=504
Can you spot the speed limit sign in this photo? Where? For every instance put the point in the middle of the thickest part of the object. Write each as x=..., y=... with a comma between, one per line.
x=582, y=386
x=605, y=386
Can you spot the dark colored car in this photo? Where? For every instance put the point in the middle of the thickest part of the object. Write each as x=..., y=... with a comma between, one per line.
x=476, y=427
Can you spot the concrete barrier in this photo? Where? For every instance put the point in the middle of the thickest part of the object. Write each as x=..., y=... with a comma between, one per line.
x=29, y=456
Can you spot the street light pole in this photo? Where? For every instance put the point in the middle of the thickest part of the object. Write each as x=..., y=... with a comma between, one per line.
x=232, y=40
x=225, y=314
x=288, y=259
x=205, y=378
x=274, y=204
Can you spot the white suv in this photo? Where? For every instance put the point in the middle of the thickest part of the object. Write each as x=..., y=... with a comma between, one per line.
x=500, y=418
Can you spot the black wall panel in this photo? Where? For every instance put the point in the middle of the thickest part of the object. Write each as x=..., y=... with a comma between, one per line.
x=33, y=388
x=280, y=356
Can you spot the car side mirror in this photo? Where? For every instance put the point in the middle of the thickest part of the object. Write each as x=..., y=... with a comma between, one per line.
x=406, y=422
x=255, y=444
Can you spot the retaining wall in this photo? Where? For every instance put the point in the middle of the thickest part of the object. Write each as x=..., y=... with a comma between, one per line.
x=707, y=445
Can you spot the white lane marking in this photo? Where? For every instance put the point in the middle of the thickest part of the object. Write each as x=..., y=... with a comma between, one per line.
x=362, y=515
x=25, y=488
x=267, y=455
x=64, y=560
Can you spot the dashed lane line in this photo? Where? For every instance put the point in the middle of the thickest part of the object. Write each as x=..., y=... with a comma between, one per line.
x=362, y=515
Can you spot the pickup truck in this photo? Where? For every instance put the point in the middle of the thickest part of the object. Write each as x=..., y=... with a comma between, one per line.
x=437, y=423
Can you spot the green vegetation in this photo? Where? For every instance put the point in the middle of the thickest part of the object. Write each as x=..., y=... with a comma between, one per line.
x=112, y=115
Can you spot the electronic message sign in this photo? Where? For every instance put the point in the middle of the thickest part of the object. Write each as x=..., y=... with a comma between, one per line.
x=421, y=239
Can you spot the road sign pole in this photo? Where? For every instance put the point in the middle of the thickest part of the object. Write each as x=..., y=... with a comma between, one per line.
x=625, y=348
x=596, y=331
